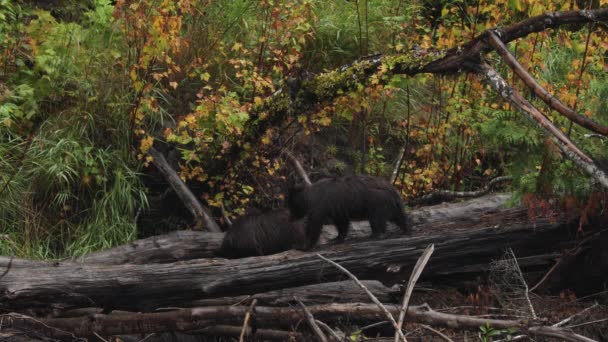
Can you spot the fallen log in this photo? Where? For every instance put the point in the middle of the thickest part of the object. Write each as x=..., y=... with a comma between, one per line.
x=64, y=285
x=324, y=293
x=186, y=245
x=266, y=317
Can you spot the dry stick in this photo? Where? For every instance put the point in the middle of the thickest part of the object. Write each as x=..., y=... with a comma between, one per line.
x=246, y=320
x=559, y=138
x=541, y=92
x=333, y=334
x=587, y=323
x=398, y=163
x=564, y=321
x=311, y=321
x=549, y=272
x=523, y=281
x=298, y=166
x=197, y=210
x=369, y=293
x=418, y=268
x=439, y=333
x=570, y=253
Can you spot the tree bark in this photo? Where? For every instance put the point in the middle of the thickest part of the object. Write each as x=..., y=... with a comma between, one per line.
x=266, y=317
x=41, y=286
x=186, y=245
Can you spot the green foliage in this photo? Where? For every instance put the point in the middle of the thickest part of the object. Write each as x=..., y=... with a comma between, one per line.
x=488, y=334
x=84, y=93
x=75, y=188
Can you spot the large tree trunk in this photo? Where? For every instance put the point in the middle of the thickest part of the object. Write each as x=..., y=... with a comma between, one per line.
x=186, y=245
x=145, y=287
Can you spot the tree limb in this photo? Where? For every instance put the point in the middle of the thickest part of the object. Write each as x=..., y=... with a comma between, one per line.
x=570, y=150
x=418, y=268
x=541, y=92
x=197, y=210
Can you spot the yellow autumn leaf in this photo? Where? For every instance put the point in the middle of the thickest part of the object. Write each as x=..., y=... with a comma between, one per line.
x=173, y=84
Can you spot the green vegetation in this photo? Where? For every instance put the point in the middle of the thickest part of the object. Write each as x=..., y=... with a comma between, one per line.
x=86, y=89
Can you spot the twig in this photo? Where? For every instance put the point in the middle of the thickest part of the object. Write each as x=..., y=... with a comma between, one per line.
x=523, y=281
x=311, y=321
x=549, y=272
x=563, y=322
x=418, y=268
x=439, y=333
x=331, y=331
x=369, y=293
x=587, y=323
x=246, y=320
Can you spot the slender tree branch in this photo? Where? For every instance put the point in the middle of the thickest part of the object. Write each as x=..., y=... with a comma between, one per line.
x=369, y=293
x=541, y=92
x=197, y=210
x=439, y=333
x=298, y=166
x=561, y=140
x=311, y=321
x=246, y=320
x=418, y=268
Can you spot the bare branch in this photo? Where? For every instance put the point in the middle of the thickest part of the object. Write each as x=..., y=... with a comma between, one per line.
x=564, y=321
x=561, y=140
x=331, y=331
x=439, y=333
x=418, y=268
x=246, y=320
x=311, y=321
x=398, y=163
x=523, y=281
x=371, y=295
x=541, y=92
x=197, y=210
x=298, y=166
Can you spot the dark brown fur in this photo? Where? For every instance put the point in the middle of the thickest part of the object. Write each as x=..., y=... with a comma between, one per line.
x=344, y=199
x=262, y=234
